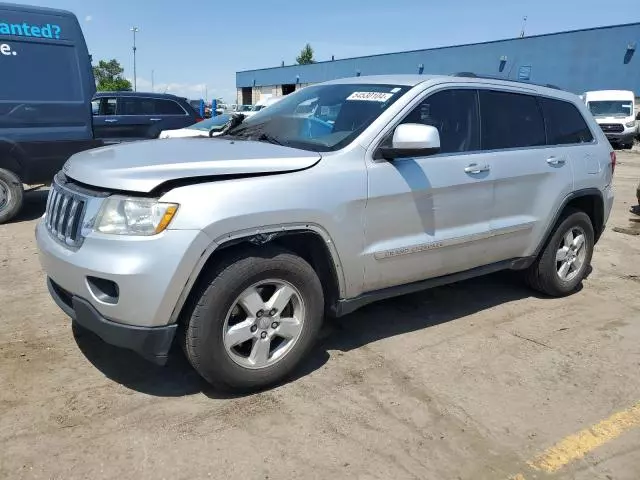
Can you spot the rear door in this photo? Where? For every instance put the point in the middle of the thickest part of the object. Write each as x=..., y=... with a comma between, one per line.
x=570, y=139
x=170, y=115
x=137, y=116
x=529, y=175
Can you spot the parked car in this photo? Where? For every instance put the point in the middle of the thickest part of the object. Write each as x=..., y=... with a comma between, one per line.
x=615, y=113
x=244, y=242
x=244, y=109
x=205, y=128
x=44, y=117
x=262, y=104
x=123, y=116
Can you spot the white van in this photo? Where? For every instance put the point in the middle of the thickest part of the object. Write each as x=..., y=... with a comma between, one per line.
x=615, y=113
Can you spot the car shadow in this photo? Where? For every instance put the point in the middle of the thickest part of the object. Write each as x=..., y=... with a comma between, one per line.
x=35, y=202
x=418, y=311
x=374, y=322
x=175, y=379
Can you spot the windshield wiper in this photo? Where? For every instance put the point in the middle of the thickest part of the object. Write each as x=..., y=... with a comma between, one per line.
x=235, y=120
x=264, y=137
x=255, y=133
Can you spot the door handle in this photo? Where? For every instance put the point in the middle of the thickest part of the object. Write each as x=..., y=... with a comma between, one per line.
x=110, y=120
x=475, y=168
x=556, y=161
x=155, y=119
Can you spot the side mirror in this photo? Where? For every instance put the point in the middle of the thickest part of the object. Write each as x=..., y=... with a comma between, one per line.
x=412, y=140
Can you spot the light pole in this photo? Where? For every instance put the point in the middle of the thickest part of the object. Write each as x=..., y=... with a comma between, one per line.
x=135, y=77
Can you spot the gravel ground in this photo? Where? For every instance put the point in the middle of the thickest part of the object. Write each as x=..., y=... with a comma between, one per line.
x=469, y=381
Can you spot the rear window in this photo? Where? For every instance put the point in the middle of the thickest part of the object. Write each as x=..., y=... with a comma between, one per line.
x=510, y=120
x=565, y=124
x=39, y=72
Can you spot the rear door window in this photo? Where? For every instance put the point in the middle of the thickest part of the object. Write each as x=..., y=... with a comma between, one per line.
x=136, y=106
x=149, y=106
x=565, y=124
x=168, y=107
x=510, y=120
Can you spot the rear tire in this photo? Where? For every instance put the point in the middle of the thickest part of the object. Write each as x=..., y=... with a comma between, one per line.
x=228, y=324
x=565, y=260
x=11, y=195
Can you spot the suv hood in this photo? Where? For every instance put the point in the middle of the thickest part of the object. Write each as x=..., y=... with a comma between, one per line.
x=142, y=166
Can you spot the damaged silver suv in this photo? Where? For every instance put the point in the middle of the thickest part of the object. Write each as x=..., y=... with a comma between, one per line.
x=341, y=194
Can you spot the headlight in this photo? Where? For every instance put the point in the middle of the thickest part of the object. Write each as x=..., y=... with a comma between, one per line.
x=134, y=216
x=630, y=124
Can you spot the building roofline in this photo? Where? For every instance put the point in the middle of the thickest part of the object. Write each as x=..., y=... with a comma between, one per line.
x=447, y=46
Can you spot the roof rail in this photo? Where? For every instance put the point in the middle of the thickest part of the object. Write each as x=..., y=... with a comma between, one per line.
x=494, y=77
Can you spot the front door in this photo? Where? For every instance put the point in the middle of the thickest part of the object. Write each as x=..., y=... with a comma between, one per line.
x=106, y=121
x=430, y=216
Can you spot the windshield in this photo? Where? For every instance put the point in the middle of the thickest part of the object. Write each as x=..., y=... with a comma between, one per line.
x=244, y=108
x=257, y=108
x=609, y=108
x=214, y=122
x=320, y=117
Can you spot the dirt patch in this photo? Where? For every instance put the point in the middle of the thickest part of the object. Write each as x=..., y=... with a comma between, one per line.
x=462, y=382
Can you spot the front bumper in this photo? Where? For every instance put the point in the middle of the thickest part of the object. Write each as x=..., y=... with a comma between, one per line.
x=152, y=343
x=625, y=137
x=149, y=275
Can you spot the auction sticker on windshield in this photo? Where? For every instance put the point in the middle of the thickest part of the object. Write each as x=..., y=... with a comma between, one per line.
x=370, y=96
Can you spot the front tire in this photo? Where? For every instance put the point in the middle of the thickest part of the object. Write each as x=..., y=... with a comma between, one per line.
x=11, y=195
x=253, y=319
x=564, y=262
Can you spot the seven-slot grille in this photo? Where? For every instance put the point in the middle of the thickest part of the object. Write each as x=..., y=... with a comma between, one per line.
x=64, y=215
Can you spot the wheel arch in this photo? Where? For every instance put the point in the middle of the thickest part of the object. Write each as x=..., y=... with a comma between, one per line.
x=311, y=242
x=10, y=158
x=588, y=200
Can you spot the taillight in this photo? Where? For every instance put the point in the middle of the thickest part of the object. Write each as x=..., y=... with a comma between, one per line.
x=198, y=119
x=613, y=161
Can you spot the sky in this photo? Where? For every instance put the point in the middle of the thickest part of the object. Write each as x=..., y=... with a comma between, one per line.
x=194, y=48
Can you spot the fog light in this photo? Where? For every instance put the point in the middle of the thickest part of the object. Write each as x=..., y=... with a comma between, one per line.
x=104, y=290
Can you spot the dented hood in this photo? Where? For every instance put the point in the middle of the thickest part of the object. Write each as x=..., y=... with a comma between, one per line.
x=143, y=166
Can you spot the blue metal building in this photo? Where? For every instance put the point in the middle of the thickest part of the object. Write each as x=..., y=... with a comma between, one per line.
x=578, y=61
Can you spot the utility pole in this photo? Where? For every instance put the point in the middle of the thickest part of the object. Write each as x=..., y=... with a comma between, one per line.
x=135, y=76
x=524, y=24
x=152, y=83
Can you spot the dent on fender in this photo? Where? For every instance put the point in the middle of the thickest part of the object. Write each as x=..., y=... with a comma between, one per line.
x=259, y=236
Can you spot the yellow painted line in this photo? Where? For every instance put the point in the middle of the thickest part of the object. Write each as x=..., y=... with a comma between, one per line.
x=581, y=443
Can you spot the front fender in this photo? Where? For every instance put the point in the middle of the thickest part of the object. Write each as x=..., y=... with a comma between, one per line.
x=260, y=234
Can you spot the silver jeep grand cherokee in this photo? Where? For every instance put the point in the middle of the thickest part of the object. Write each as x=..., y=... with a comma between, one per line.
x=341, y=194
